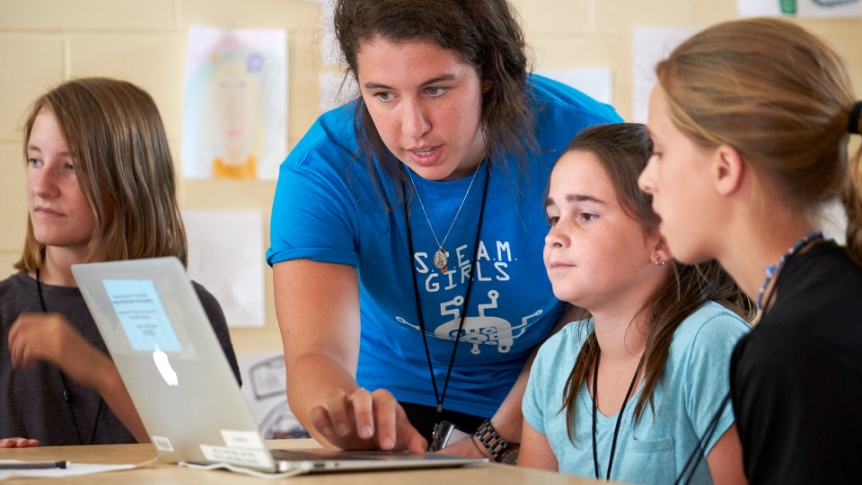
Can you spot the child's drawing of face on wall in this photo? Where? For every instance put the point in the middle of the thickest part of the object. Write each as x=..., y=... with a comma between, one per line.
x=235, y=107
x=235, y=120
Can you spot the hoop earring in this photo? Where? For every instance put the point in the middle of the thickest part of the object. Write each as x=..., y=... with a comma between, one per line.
x=658, y=260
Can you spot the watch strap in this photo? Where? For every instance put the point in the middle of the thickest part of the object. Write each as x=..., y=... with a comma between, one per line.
x=491, y=440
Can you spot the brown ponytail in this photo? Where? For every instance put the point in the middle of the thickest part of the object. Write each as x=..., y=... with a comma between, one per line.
x=850, y=194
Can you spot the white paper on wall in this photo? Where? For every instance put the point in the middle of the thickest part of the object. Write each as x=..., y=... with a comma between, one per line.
x=335, y=90
x=330, y=51
x=757, y=8
x=834, y=222
x=235, y=110
x=800, y=8
x=651, y=45
x=594, y=82
x=226, y=257
x=264, y=387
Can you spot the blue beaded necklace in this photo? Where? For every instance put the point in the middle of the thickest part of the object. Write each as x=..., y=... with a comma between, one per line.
x=774, y=268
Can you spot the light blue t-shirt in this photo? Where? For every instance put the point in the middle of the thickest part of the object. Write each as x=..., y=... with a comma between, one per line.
x=694, y=383
x=326, y=209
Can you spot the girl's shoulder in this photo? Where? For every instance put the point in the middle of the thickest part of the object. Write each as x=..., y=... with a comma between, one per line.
x=711, y=325
x=569, y=340
x=11, y=283
x=558, y=353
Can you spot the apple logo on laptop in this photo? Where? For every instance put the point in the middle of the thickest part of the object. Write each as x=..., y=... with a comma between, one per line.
x=165, y=369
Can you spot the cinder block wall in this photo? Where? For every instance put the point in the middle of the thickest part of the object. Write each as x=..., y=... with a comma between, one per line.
x=43, y=42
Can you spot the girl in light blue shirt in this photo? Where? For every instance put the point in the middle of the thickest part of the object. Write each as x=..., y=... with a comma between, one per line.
x=635, y=391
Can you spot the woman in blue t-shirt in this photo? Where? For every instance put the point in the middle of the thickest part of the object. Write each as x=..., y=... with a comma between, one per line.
x=406, y=229
x=638, y=386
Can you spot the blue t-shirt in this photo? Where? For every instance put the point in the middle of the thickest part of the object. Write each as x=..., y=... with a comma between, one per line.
x=694, y=383
x=327, y=209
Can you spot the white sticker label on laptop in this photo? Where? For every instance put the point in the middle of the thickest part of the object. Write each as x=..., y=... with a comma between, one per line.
x=242, y=439
x=162, y=443
x=142, y=315
x=236, y=456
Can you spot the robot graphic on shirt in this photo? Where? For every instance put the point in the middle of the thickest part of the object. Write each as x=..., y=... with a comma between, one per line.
x=481, y=330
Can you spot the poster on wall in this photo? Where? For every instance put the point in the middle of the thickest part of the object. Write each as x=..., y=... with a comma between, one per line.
x=651, y=45
x=336, y=88
x=264, y=387
x=235, y=110
x=226, y=257
x=800, y=8
x=594, y=82
x=327, y=42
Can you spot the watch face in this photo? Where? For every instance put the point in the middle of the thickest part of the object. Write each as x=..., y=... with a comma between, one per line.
x=510, y=457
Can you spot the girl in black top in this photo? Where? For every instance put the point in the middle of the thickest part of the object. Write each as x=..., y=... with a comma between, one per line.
x=750, y=121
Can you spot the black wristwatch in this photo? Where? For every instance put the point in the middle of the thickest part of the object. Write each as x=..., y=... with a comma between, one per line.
x=500, y=450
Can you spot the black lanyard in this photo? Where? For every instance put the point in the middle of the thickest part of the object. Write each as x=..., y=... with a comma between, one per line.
x=619, y=417
x=67, y=397
x=439, y=397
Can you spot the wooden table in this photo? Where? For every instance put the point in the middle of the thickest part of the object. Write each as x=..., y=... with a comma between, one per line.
x=166, y=473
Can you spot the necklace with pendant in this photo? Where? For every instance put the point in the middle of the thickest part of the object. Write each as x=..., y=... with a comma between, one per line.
x=441, y=396
x=441, y=261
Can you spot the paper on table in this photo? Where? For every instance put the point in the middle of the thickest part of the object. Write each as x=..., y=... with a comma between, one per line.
x=594, y=82
x=651, y=45
x=226, y=257
x=71, y=470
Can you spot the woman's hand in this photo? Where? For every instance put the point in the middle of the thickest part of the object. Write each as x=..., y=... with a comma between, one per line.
x=366, y=420
x=18, y=443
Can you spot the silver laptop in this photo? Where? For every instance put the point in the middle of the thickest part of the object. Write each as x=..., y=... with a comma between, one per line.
x=181, y=383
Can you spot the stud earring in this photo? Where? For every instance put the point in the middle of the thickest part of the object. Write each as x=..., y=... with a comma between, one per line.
x=658, y=260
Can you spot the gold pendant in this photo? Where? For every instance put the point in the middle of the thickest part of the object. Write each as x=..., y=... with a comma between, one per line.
x=440, y=260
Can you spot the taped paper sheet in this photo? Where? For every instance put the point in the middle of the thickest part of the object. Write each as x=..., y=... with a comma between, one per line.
x=226, y=257
x=594, y=82
x=264, y=387
x=651, y=45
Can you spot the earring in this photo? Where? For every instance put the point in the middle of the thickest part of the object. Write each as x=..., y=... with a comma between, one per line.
x=658, y=260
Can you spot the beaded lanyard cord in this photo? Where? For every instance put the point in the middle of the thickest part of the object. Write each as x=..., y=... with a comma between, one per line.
x=771, y=270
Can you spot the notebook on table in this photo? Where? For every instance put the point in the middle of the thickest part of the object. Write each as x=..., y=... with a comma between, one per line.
x=181, y=383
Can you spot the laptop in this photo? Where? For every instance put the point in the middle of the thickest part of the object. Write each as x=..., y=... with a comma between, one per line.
x=181, y=383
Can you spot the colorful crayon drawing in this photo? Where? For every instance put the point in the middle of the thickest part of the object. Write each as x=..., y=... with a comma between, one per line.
x=235, y=113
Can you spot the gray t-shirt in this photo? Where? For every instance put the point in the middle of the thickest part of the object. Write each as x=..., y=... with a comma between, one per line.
x=31, y=399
